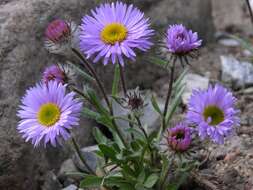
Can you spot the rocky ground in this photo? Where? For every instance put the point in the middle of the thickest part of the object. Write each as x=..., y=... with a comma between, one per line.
x=23, y=57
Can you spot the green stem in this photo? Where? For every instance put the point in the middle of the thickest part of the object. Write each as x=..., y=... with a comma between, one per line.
x=80, y=93
x=146, y=136
x=167, y=173
x=78, y=151
x=172, y=70
x=122, y=79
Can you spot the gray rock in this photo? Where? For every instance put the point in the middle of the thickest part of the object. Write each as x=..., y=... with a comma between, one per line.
x=64, y=176
x=167, y=12
x=237, y=74
x=192, y=82
x=51, y=182
x=228, y=42
x=66, y=167
x=23, y=57
x=90, y=157
x=70, y=187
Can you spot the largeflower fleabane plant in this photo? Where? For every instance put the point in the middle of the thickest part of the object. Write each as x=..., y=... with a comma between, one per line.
x=113, y=32
x=213, y=112
x=48, y=113
x=180, y=40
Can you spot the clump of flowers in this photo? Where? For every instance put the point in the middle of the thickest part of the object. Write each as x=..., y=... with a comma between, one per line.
x=213, y=112
x=113, y=32
x=179, y=137
x=50, y=110
x=48, y=113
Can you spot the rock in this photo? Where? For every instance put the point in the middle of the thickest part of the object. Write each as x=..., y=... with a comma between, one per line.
x=90, y=157
x=70, y=187
x=67, y=167
x=51, y=182
x=193, y=82
x=237, y=74
x=23, y=57
x=167, y=12
x=228, y=42
x=240, y=21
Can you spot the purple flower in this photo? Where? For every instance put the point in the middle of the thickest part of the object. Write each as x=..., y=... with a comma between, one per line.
x=58, y=30
x=214, y=113
x=48, y=113
x=179, y=137
x=54, y=73
x=60, y=36
x=180, y=40
x=113, y=32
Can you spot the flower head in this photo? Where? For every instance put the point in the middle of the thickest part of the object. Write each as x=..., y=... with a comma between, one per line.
x=213, y=111
x=57, y=31
x=179, y=137
x=54, y=73
x=180, y=40
x=60, y=35
x=113, y=32
x=48, y=113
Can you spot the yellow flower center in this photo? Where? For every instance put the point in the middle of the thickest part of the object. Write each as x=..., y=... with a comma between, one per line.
x=48, y=114
x=113, y=33
x=214, y=113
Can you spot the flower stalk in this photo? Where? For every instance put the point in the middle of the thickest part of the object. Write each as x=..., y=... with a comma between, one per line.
x=172, y=70
x=250, y=10
x=79, y=153
x=101, y=87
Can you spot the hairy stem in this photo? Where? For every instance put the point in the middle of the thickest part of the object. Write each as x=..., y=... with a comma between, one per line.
x=250, y=10
x=172, y=70
x=102, y=89
x=123, y=79
x=78, y=151
x=94, y=74
x=163, y=182
x=146, y=136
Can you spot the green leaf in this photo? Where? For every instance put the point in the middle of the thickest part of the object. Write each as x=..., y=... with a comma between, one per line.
x=106, y=121
x=141, y=176
x=152, y=136
x=174, y=105
x=155, y=105
x=165, y=168
x=108, y=151
x=81, y=72
x=99, y=136
x=90, y=114
x=115, y=84
x=126, y=186
x=91, y=181
x=139, y=186
x=179, y=80
x=151, y=180
x=158, y=61
x=96, y=102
